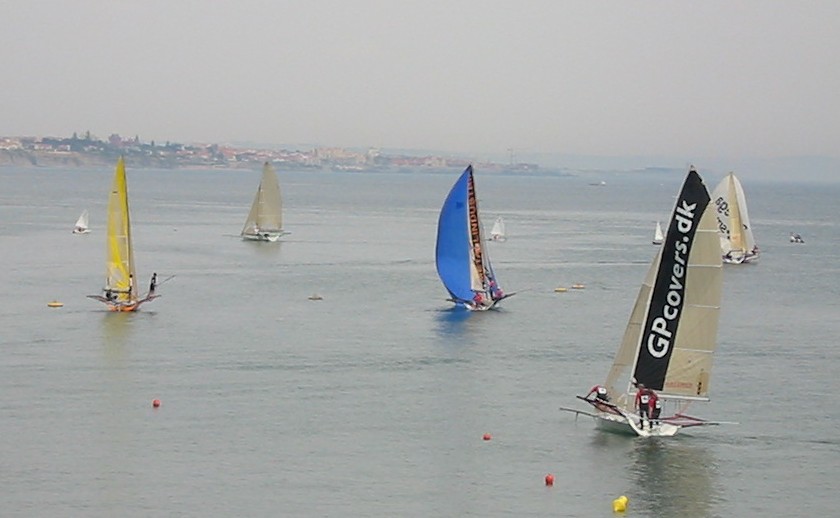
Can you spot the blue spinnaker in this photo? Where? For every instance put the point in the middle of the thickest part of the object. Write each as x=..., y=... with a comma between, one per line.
x=452, y=254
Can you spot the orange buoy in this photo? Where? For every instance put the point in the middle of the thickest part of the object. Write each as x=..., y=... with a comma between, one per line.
x=549, y=480
x=156, y=403
x=487, y=437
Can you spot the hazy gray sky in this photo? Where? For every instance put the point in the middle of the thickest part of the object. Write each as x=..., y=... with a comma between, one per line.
x=757, y=78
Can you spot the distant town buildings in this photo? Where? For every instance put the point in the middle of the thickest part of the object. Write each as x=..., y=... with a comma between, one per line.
x=88, y=150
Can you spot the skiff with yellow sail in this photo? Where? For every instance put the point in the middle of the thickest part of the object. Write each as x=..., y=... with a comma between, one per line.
x=120, y=292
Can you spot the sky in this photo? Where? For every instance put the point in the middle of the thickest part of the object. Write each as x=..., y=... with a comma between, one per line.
x=727, y=79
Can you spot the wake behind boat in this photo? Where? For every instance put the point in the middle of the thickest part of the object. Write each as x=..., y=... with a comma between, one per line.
x=121, y=292
x=461, y=255
x=265, y=220
x=81, y=226
x=737, y=242
x=671, y=336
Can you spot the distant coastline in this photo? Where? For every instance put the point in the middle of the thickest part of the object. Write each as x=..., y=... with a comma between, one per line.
x=90, y=151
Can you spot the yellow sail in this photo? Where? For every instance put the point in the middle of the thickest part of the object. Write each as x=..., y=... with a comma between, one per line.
x=119, y=275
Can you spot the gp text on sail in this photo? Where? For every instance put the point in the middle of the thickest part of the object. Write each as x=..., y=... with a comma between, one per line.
x=663, y=326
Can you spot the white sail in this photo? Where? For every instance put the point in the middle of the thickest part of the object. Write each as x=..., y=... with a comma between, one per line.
x=265, y=220
x=658, y=236
x=497, y=233
x=81, y=226
x=737, y=241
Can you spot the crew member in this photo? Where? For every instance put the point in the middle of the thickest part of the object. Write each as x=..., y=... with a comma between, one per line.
x=600, y=393
x=642, y=402
x=655, y=408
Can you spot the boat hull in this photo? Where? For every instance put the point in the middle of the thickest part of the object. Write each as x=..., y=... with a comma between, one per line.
x=620, y=425
x=270, y=237
x=740, y=259
x=81, y=231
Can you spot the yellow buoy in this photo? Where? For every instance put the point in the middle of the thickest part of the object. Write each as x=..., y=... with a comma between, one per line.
x=620, y=504
x=55, y=304
x=560, y=289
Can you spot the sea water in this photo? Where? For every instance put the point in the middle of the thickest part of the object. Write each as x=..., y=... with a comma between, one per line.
x=374, y=400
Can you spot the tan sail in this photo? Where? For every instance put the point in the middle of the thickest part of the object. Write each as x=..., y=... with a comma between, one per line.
x=626, y=355
x=266, y=215
x=736, y=237
x=691, y=362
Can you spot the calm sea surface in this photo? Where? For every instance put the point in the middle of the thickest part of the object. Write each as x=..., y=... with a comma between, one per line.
x=373, y=401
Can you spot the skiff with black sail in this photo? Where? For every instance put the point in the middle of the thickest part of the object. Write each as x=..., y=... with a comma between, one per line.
x=120, y=292
x=461, y=254
x=737, y=241
x=265, y=220
x=671, y=336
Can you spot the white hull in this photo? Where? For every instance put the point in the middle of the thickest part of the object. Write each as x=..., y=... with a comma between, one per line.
x=740, y=259
x=271, y=237
x=81, y=231
x=617, y=424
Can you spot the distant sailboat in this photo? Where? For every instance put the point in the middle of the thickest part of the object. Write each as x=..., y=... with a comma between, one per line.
x=461, y=255
x=658, y=236
x=671, y=336
x=120, y=291
x=497, y=233
x=265, y=221
x=81, y=226
x=737, y=242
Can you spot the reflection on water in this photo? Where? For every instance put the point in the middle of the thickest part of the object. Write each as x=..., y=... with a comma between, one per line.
x=453, y=324
x=116, y=329
x=265, y=248
x=674, y=478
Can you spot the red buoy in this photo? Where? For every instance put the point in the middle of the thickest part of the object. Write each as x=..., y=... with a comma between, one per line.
x=549, y=480
x=487, y=437
x=156, y=403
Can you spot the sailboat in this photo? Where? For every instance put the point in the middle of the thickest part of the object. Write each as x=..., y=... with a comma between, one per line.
x=658, y=236
x=120, y=291
x=671, y=335
x=461, y=255
x=497, y=233
x=81, y=226
x=265, y=221
x=737, y=242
